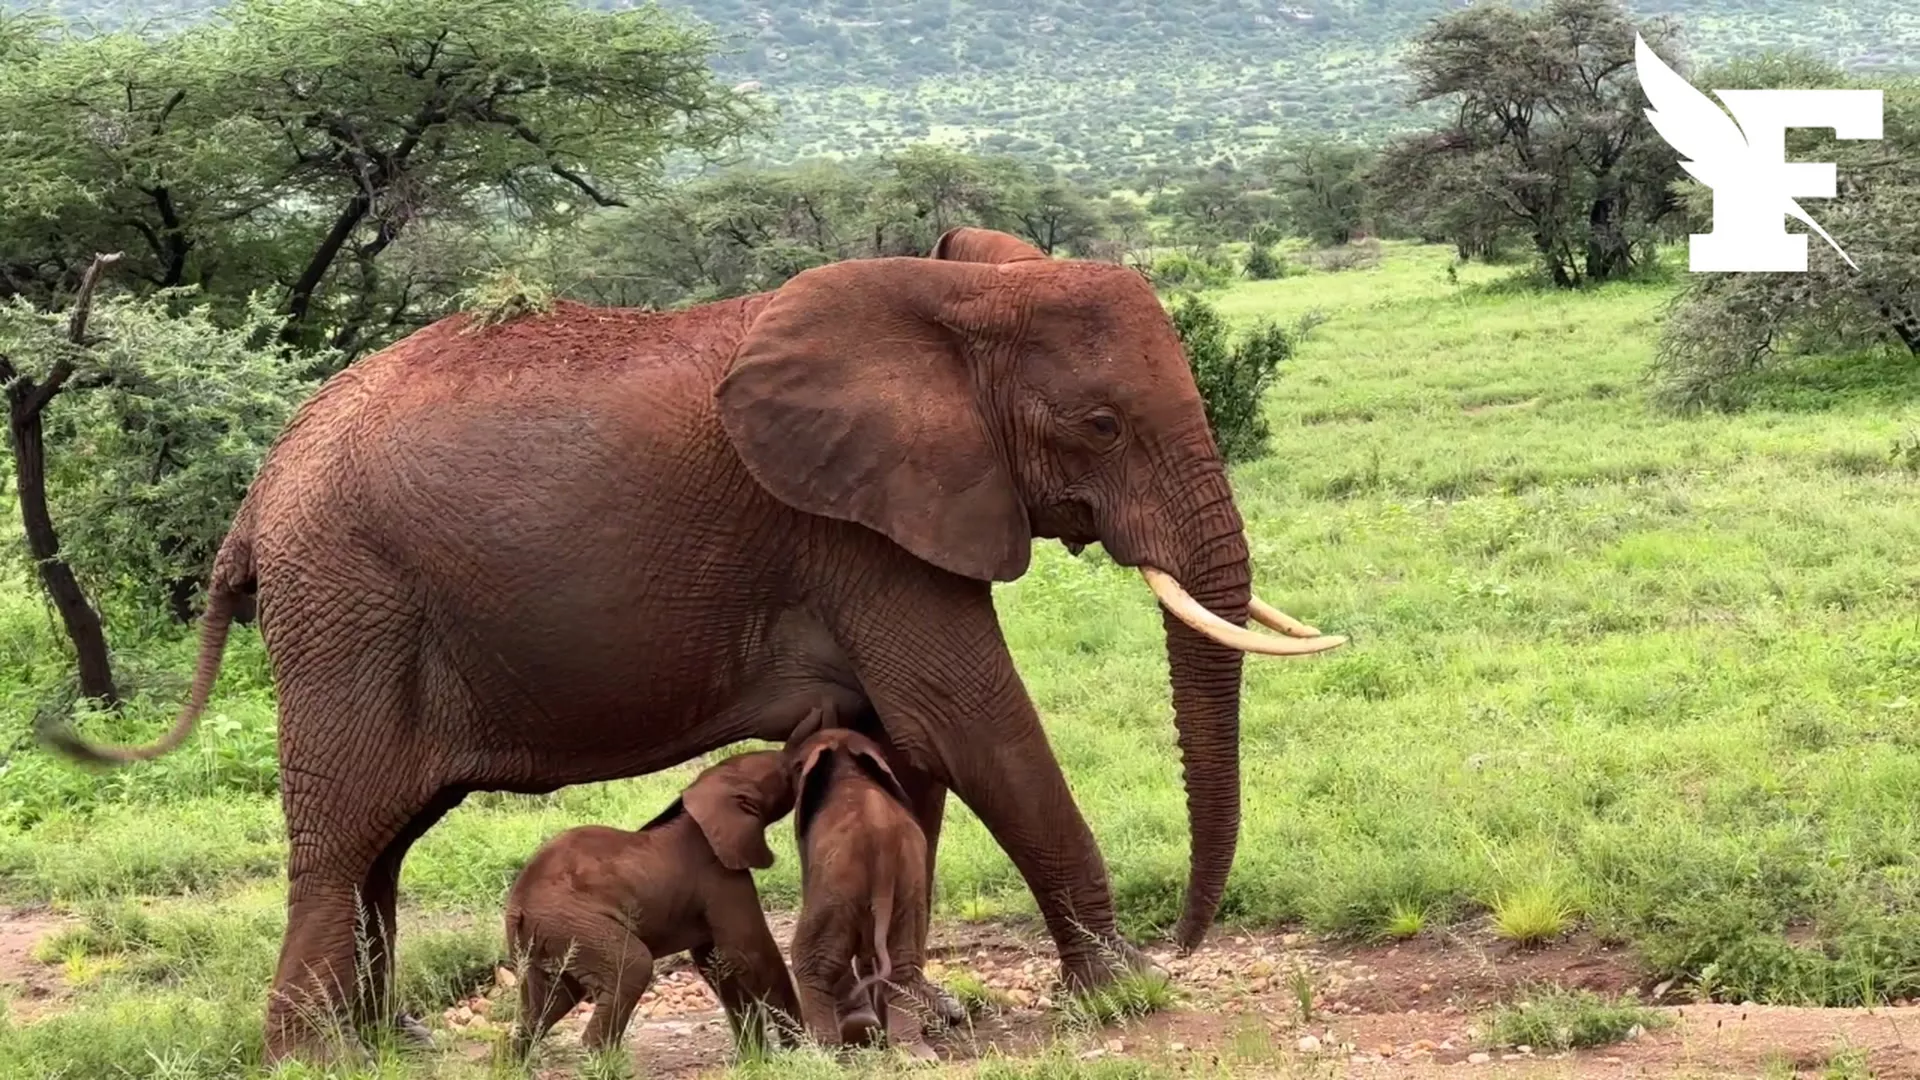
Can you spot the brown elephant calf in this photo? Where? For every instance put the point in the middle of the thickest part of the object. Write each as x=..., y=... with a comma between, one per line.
x=596, y=905
x=864, y=890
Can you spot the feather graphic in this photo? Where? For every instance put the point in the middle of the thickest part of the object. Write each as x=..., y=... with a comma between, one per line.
x=1712, y=147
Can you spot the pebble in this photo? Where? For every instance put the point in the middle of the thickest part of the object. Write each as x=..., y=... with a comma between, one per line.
x=504, y=978
x=1116, y=1046
x=1309, y=1044
x=1477, y=1058
x=1178, y=1048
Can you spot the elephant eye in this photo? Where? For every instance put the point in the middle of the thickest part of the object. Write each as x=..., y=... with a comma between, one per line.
x=1104, y=422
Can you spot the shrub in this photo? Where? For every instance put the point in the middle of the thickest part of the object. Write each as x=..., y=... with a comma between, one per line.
x=1184, y=271
x=1261, y=265
x=1232, y=376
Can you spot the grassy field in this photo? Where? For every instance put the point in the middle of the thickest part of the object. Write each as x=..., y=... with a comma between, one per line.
x=1651, y=676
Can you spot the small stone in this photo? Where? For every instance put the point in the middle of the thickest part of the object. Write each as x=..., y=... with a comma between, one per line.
x=1424, y=1046
x=1260, y=969
x=1022, y=998
x=1478, y=1058
x=505, y=978
x=1385, y=1050
x=1094, y=1054
x=462, y=1014
x=1116, y=1046
x=1635, y=1032
x=480, y=1006
x=1178, y=1048
x=1524, y=1049
x=1610, y=1061
x=1289, y=940
x=1309, y=1044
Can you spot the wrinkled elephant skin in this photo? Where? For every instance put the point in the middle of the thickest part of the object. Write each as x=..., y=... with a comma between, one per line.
x=471, y=550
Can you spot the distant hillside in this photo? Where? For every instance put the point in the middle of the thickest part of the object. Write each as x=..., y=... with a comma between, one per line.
x=1116, y=85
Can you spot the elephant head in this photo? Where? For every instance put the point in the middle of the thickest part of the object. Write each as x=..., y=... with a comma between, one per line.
x=965, y=404
x=735, y=800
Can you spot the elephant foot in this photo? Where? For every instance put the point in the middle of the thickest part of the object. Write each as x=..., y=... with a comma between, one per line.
x=859, y=1027
x=1100, y=965
x=413, y=1034
x=919, y=1053
x=943, y=1008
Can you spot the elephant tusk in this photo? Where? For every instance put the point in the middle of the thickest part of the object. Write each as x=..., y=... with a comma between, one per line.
x=1274, y=619
x=1190, y=611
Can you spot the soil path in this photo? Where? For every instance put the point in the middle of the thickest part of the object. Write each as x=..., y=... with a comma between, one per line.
x=30, y=988
x=1408, y=1010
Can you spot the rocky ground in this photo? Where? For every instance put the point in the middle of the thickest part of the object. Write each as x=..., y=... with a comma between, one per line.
x=1257, y=1004
x=1279, y=1003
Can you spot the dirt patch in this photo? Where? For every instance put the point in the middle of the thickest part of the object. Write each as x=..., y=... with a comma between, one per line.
x=30, y=987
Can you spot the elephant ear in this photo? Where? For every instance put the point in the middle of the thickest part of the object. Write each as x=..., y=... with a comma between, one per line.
x=725, y=804
x=872, y=762
x=853, y=397
x=965, y=243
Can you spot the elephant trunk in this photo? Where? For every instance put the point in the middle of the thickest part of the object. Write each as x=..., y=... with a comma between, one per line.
x=1205, y=674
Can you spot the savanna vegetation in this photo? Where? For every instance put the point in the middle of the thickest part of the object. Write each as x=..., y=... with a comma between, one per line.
x=1623, y=550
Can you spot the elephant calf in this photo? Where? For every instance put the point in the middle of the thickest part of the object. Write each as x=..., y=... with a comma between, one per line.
x=864, y=891
x=595, y=905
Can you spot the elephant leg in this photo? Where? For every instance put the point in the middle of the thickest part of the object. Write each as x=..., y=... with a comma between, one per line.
x=346, y=846
x=744, y=967
x=928, y=797
x=618, y=976
x=382, y=895
x=822, y=952
x=967, y=719
x=545, y=1000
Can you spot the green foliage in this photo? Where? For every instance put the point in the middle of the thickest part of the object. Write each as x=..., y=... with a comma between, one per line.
x=1233, y=375
x=1323, y=185
x=1179, y=271
x=1554, y=1019
x=1585, y=176
x=1727, y=331
x=1261, y=265
x=357, y=161
x=157, y=437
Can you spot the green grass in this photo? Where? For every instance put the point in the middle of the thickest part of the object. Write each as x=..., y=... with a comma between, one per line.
x=1651, y=677
x=1558, y=1019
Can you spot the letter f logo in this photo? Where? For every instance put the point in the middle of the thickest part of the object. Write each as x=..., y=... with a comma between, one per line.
x=1745, y=163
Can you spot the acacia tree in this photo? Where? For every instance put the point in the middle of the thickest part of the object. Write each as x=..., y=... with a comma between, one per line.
x=347, y=161
x=1550, y=116
x=1322, y=183
x=1726, y=327
x=298, y=142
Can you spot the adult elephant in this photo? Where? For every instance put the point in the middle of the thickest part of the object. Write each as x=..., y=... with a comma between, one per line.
x=595, y=543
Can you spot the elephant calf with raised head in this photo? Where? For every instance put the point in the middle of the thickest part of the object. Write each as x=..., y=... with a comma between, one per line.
x=467, y=549
x=861, y=940
x=595, y=906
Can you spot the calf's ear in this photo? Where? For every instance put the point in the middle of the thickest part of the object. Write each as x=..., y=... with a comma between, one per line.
x=728, y=813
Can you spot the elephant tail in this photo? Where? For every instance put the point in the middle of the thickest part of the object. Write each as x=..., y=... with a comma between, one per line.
x=882, y=926
x=229, y=594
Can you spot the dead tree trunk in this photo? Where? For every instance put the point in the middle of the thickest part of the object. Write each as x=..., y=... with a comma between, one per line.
x=26, y=401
